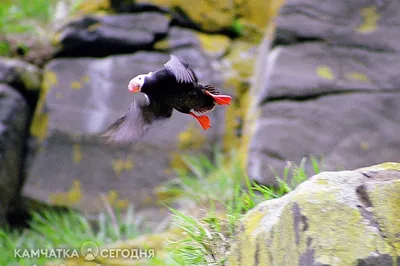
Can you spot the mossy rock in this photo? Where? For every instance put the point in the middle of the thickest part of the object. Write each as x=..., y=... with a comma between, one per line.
x=210, y=16
x=91, y=6
x=335, y=218
x=214, y=45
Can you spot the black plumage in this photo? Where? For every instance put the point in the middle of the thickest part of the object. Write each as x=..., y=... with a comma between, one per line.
x=175, y=86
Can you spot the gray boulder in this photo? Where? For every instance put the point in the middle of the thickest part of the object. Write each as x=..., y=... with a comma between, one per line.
x=111, y=34
x=19, y=73
x=334, y=219
x=82, y=97
x=14, y=116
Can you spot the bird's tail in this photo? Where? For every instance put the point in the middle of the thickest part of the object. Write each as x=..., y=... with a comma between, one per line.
x=217, y=96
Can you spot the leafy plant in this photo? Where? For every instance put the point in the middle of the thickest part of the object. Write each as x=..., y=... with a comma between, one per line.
x=237, y=27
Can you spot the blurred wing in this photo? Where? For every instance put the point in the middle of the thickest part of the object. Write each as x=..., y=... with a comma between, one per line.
x=180, y=69
x=136, y=122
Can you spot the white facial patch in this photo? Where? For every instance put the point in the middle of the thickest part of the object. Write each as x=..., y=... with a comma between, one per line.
x=139, y=79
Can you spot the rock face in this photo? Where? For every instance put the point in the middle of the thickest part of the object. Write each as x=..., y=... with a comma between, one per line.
x=81, y=98
x=335, y=218
x=112, y=34
x=13, y=126
x=326, y=89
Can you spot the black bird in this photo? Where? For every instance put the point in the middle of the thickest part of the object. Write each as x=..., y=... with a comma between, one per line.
x=175, y=86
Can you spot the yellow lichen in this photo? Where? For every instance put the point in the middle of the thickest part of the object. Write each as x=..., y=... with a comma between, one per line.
x=119, y=165
x=258, y=12
x=59, y=95
x=90, y=6
x=390, y=166
x=76, y=85
x=40, y=121
x=381, y=167
x=370, y=17
x=77, y=153
x=364, y=146
x=215, y=44
x=93, y=27
x=327, y=222
x=357, y=76
x=191, y=138
x=162, y=45
x=325, y=72
x=322, y=182
x=177, y=163
x=386, y=195
x=69, y=198
x=113, y=199
x=237, y=74
x=209, y=15
x=85, y=79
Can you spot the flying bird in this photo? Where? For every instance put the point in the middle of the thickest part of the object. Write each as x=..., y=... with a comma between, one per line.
x=175, y=86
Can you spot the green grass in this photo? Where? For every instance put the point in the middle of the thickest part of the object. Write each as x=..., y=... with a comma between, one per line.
x=224, y=192
x=218, y=188
x=20, y=16
x=55, y=229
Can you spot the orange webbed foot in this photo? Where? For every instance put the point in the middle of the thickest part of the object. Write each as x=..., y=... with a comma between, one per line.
x=220, y=99
x=203, y=120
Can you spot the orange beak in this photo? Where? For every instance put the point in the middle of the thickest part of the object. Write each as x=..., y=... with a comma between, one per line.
x=133, y=87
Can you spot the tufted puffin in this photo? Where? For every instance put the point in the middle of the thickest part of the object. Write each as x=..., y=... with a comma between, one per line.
x=175, y=86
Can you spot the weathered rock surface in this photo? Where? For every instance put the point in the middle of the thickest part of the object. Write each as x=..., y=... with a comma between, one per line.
x=368, y=24
x=112, y=34
x=13, y=128
x=312, y=69
x=81, y=98
x=19, y=73
x=335, y=218
x=347, y=129
x=328, y=90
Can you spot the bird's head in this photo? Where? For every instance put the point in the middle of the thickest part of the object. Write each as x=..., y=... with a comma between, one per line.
x=135, y=85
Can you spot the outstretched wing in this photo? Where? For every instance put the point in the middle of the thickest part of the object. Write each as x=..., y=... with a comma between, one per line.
x=180, y=69
x=137, y=121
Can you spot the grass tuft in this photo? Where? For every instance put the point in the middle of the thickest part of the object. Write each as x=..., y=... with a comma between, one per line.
x=223, y=192
x=52, y=229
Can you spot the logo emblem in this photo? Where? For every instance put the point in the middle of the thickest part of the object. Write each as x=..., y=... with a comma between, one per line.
x=89, y=250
